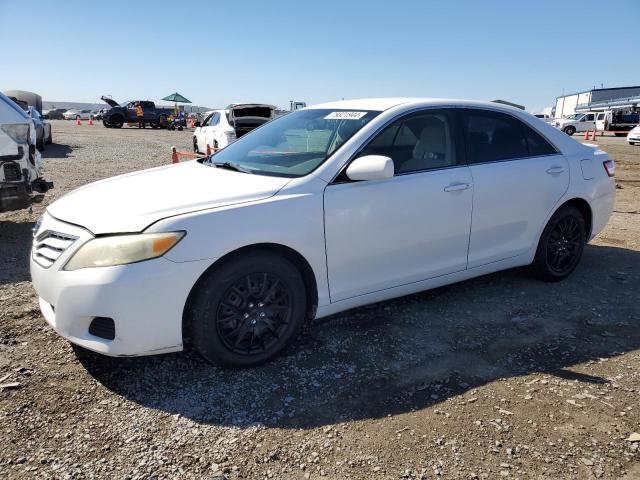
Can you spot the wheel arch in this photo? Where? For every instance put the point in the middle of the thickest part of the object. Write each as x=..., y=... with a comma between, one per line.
x=585, y=209
x=298, y=260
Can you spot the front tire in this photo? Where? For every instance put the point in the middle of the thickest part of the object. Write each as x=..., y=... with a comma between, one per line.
x=116, y=122
x=561, y=245
x=247, y=310
x=569, y=130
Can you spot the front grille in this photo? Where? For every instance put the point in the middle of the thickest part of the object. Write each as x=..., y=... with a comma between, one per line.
x=48, y=246
x=103, y=327
x=12, y=172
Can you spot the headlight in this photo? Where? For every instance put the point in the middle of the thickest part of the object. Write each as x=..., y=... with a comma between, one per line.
x=19, y=132
x=123, y=249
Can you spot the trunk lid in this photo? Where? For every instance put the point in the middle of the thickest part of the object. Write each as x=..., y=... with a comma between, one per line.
x=245, y=117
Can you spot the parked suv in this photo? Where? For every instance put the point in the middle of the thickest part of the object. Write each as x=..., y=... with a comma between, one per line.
x=318, y=211
x=118, y=115
x=20, y=161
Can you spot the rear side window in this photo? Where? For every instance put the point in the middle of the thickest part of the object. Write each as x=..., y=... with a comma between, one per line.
x=493, y=136
x=538, y=146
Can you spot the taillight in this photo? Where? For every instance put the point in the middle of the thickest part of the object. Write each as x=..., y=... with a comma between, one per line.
x=610, y=167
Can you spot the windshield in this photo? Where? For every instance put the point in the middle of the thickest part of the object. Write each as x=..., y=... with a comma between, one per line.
x=294, y=144
x=575, y=116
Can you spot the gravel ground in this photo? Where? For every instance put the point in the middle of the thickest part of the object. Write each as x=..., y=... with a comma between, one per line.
x=500, y=376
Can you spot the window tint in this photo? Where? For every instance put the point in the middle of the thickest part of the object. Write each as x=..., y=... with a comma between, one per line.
x=419, y=142
x=537, y=144
x=493, y=136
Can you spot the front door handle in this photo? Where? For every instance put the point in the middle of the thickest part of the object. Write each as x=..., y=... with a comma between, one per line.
x=456, y=187
x=555, y=170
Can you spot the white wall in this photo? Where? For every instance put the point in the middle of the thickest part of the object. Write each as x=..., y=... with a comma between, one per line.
x=567, y=105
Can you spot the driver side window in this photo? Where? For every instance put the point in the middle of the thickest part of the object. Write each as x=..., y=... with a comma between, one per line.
x=423, y=141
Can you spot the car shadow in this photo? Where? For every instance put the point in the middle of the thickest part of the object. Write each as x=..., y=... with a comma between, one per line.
x=405, y=354
x=15, y=237
x=57, y=150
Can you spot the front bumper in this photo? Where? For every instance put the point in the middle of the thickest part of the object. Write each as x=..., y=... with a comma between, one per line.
x=145, y=300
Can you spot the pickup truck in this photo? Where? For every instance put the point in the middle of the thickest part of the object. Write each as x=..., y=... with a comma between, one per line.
x=118, y=115
x=576, y=122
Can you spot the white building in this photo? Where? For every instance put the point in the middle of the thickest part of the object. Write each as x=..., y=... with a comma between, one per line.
x=597, y=99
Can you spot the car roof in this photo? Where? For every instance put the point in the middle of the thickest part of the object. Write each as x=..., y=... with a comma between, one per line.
x=381, y=104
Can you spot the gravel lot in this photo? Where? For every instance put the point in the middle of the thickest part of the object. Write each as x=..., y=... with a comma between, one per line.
x=500, y=376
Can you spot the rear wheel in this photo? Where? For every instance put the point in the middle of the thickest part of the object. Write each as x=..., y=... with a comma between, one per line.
x=569, y=130
x=561, y=245
x=195, y=145
x=248, y=309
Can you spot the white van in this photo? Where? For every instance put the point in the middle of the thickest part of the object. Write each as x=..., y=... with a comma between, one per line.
x=20, y=161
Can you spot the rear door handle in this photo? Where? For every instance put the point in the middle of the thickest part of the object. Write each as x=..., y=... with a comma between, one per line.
x=456, y=187
x=555, y=170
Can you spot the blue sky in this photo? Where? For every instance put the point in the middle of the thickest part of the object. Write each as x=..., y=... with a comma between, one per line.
x=218, y=52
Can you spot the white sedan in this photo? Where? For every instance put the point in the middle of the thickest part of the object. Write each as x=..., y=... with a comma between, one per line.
x=222, y=127
x=77, y=115
x=321, y=210
x=633, y=137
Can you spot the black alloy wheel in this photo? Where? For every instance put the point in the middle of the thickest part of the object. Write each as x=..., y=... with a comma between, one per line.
x=561, y=245
x=254, y=313
x=247, y=309
x=564, y=244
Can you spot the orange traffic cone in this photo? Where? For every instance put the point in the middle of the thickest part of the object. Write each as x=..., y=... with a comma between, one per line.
x=593, y=135
x=174, y=155
x=78, y=122
x=208, y=150
x=91, y=122
x=586, y=135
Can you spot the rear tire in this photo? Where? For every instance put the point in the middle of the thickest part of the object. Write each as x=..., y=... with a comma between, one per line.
x=195, y=145
x=247, y=310
x=561, y=245
x=569, y=130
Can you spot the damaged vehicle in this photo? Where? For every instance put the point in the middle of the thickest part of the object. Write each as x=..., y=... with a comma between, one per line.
x=20, y=162
x=222, y=127
x=118, y=115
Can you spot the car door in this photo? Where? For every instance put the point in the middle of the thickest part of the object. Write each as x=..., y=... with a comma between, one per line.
x=148, y=111
x=518, y=178
x=211, y=130
x=199, y=133
x=386, y=233
x=600, y=121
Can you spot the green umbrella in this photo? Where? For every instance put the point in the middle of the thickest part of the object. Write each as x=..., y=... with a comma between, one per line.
x=176, y=97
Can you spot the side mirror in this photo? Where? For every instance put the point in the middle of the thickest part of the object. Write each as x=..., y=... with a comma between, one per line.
x=371, y=167
x=197, y=124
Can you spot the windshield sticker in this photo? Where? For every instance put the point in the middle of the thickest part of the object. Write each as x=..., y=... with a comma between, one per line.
x=345, y=115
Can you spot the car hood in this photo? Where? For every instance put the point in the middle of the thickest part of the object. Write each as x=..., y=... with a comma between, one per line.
x=109, y=101
x=131, y=202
